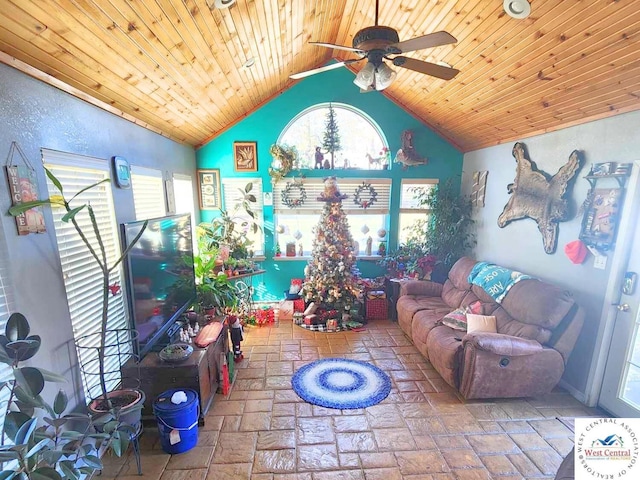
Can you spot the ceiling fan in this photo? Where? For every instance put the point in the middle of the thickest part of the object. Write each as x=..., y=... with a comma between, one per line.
x=379, y=43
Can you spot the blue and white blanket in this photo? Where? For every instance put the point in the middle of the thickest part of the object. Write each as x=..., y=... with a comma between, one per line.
x=495, y=280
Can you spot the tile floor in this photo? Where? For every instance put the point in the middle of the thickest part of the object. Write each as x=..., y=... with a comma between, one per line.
x=423, y=430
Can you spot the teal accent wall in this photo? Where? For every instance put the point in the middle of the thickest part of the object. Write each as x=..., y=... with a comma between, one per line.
x=265, y=125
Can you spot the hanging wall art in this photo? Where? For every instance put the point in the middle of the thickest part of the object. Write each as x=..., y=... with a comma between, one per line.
x=23, y=187
x=537, y=195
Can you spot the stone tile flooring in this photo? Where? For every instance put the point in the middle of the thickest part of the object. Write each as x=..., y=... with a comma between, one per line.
x=423, y=430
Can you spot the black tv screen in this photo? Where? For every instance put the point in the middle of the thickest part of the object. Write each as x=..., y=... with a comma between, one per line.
x=160, y=278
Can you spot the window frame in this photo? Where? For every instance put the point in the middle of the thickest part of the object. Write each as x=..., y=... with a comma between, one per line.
x=231, y=183
x=147, y=180
x=81, y=311
x=402, y=211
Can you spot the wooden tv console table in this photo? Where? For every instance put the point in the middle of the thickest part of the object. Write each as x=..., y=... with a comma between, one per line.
x=200, y=372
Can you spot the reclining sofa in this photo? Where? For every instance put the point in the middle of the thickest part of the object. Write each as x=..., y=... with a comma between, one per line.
x=537, y=326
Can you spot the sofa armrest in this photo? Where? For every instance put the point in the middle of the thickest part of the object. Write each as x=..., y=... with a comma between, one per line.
x=421, y=287
x=502, y=344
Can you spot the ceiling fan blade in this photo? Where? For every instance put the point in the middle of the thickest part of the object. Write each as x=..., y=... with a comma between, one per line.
x=428, y=68
x=425, y=41
x=337, y=47
x=326, y=68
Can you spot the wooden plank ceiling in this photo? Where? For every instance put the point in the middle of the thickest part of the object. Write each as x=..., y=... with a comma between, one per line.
x=176, y=66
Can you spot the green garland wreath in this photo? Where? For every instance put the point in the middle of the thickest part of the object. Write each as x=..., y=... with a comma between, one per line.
x=366, y=189
x=286, y=156
x=289, y=190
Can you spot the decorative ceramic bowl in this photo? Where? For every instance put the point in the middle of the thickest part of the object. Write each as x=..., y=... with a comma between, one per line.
x=176, y=352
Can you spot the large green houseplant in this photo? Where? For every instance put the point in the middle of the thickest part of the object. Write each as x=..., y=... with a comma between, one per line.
x=92, y=240
x=60, y=445
x=438, y=240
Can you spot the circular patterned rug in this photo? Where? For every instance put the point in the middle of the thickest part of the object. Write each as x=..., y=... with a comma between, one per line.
x=341, y=383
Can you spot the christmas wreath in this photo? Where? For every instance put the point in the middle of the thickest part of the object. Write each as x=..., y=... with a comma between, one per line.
x=294, y=195
x=285, y=159
x=365, y=195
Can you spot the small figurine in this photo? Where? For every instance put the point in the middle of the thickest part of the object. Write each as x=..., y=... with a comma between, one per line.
x=236, y=338
x=369, y=243
x=319, y=157
x=300, y=250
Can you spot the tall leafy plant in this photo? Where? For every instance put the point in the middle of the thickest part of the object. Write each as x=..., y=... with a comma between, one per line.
x=95, y=247
x=448, y=231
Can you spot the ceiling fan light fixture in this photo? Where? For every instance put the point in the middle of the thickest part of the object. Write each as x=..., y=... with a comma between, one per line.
x=364, y=78
x=221, y=4
x=384, y=76
x=518, y=9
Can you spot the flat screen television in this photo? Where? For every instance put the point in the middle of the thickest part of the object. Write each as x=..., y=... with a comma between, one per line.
x=159, y=276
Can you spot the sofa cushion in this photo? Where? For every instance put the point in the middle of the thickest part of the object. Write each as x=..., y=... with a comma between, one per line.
x=507, y=325
x=445, y=352
x=423, y=322
x=408, y=305
x=481, y=323
x=458, y=318
x=523, y=302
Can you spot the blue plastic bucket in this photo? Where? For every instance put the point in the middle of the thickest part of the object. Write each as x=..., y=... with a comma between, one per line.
x=177, y=424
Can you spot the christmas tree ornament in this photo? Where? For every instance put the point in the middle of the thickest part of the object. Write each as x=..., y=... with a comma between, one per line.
x=280, y=229
x=382, y=233
x=364, y=229
x=297, y=235
x=331, y=193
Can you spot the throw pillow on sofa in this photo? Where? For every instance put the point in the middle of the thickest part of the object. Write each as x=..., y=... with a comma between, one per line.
x=481, y=323
x=458, y=318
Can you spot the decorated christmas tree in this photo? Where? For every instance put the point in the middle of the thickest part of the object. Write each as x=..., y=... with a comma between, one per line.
x=331, y=139
x=329, y=278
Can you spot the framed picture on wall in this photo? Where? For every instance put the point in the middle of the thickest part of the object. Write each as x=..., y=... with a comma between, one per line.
x=245, y=156
x=209, y=189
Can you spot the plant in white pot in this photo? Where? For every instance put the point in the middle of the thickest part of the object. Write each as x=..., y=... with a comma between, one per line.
x=107, y=402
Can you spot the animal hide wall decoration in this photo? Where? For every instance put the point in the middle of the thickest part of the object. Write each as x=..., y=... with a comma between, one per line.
x=536, y=195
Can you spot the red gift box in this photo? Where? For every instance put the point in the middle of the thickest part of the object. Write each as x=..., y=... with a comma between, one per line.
x=376, y=309
x=298, y=305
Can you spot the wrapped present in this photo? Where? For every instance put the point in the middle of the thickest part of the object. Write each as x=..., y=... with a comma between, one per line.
x=332, y=325
x=298, y=305
x=376, y=294
x=298, y=318
x=376, y=309
x=286, y=310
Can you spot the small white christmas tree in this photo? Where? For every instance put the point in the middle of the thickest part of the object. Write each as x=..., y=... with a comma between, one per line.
x=329, y=279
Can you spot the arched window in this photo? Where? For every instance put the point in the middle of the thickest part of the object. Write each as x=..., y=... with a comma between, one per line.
x=363, y=145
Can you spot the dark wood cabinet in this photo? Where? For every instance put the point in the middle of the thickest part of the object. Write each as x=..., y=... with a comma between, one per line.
x=200, y=372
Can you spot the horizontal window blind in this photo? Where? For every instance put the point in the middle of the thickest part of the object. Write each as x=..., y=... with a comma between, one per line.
x=314, y=187
x=148, y=193
x=232, y=195
x=82, y=275
x=408, y=201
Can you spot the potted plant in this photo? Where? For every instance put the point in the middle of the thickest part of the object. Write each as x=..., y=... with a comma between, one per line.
x=126, y=400
x=229, y=230
x=54, y=445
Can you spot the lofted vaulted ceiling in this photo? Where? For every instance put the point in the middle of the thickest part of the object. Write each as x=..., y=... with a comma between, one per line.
x=176, y=66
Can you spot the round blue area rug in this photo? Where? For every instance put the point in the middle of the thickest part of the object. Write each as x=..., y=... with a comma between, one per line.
x=341, y=383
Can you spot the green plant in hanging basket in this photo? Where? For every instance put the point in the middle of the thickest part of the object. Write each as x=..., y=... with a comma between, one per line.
x=285, y=159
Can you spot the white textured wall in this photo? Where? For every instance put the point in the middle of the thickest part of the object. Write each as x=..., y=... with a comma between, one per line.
x=37, y=115
x=519, y=244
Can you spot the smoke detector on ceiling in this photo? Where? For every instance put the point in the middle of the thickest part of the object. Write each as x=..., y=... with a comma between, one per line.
x=517, y=8
x=221, y=4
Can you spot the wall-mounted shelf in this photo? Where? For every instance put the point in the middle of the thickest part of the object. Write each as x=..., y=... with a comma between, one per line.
x=602, y=209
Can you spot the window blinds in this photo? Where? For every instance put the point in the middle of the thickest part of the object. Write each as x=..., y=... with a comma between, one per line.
x=408, y=202
x=314, y=187
x=148, y=193
x=82, y=276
